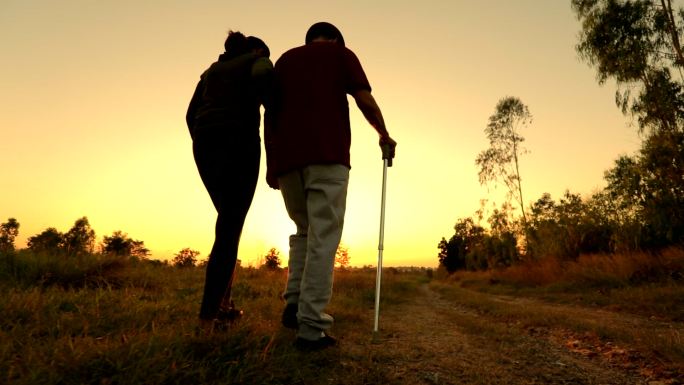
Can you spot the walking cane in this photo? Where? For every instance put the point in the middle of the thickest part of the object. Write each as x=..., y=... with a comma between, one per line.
x=387, y=162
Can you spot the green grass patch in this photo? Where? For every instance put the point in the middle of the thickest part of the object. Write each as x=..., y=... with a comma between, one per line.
x=98, y=320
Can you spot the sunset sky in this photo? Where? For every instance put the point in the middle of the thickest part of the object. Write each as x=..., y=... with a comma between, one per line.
x=93, y=96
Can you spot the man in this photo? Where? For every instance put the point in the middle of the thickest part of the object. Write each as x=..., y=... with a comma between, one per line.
x=308, y=138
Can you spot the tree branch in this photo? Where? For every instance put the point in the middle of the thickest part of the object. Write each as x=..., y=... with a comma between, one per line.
x=672, y=28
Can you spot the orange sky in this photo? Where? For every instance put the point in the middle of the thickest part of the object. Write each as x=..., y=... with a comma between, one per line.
x=93, y=97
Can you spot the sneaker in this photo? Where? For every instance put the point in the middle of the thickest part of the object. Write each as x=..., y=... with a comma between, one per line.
x=289, y=318
x=325, y=341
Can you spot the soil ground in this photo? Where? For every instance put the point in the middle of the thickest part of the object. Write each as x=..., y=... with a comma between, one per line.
x=433, y=339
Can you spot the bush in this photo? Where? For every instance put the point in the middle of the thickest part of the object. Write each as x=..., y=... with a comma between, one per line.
x=185, y=258
x=26, y=268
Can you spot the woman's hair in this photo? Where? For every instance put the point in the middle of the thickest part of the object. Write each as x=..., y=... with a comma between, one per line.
x=325, y=30
x=236, y=44
x=254, y=42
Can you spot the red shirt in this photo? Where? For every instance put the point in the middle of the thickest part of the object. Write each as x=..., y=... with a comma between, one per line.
x=311, y=113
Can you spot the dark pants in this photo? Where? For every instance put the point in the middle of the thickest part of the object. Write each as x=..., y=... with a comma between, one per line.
x=229, y=169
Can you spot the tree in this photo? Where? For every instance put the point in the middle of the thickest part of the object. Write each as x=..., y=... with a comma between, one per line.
x=501, y=160
x=342, y=256
x=463, y=248
x=120, y=244
x=638, y=44
x=272, y=259
x=571, y=227
x=49, y=241
x=501, y=244
x=185, y=258
x=661, y=160
x=650, y=189
x=8, y=233
x=450, y=255
x=606, y=227
x=80, y=239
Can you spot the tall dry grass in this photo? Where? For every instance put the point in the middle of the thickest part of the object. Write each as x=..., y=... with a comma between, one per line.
x=598, y=270
x=650, y=284
x=102, y=321
x=632, y=300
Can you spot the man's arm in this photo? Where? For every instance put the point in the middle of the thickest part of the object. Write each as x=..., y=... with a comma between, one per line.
x=371, y=111
x=366, y=103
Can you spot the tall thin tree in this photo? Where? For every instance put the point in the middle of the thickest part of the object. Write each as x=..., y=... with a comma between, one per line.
x=501, y=161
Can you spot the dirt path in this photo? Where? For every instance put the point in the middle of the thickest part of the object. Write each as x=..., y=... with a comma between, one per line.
x=434, y=340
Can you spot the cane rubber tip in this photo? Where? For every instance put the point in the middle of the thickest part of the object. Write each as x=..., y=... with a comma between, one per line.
x=375, y=339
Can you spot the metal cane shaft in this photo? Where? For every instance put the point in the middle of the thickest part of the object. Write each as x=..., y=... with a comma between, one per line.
x=378, y=275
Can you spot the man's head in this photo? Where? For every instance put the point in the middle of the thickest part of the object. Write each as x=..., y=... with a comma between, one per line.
x=326, y=31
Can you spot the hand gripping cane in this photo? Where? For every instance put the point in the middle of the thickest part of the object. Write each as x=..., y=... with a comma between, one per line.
x=387, y=155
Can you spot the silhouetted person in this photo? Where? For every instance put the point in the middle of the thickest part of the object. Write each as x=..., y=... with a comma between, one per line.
x=223, y=118
x=308, y=140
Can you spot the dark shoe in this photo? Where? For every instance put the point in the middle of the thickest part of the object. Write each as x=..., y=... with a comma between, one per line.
x=310, y=346
x=289, y=318
x=229, y=314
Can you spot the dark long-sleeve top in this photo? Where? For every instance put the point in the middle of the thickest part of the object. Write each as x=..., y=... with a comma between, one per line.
x=228, y=96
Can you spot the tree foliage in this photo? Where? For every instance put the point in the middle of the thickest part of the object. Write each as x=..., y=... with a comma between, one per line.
x=272, y=259
x=500, y=162
x=638, y=44
x=80, y=239
x=8, y=233
x=185, y=258
x=121, y=244
x=342, y=257
x=473, y=247
x=568, y=228
x=649, y=188
x=49, y=241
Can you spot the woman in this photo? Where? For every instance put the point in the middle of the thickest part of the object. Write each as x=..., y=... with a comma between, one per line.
x=223, y=119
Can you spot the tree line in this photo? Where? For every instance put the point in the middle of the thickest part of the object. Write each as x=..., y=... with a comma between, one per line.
x=636, y=43
x=80, y=240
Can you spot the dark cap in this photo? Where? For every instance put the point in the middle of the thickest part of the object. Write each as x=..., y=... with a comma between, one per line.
x=326, y=30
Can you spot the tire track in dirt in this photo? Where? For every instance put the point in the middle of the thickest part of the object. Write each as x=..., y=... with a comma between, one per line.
x=648, y=335
x=432, y=340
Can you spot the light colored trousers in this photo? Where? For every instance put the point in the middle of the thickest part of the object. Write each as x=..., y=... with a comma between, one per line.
x=315, y=198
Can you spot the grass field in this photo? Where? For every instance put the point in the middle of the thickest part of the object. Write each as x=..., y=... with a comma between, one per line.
x=108, y=320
